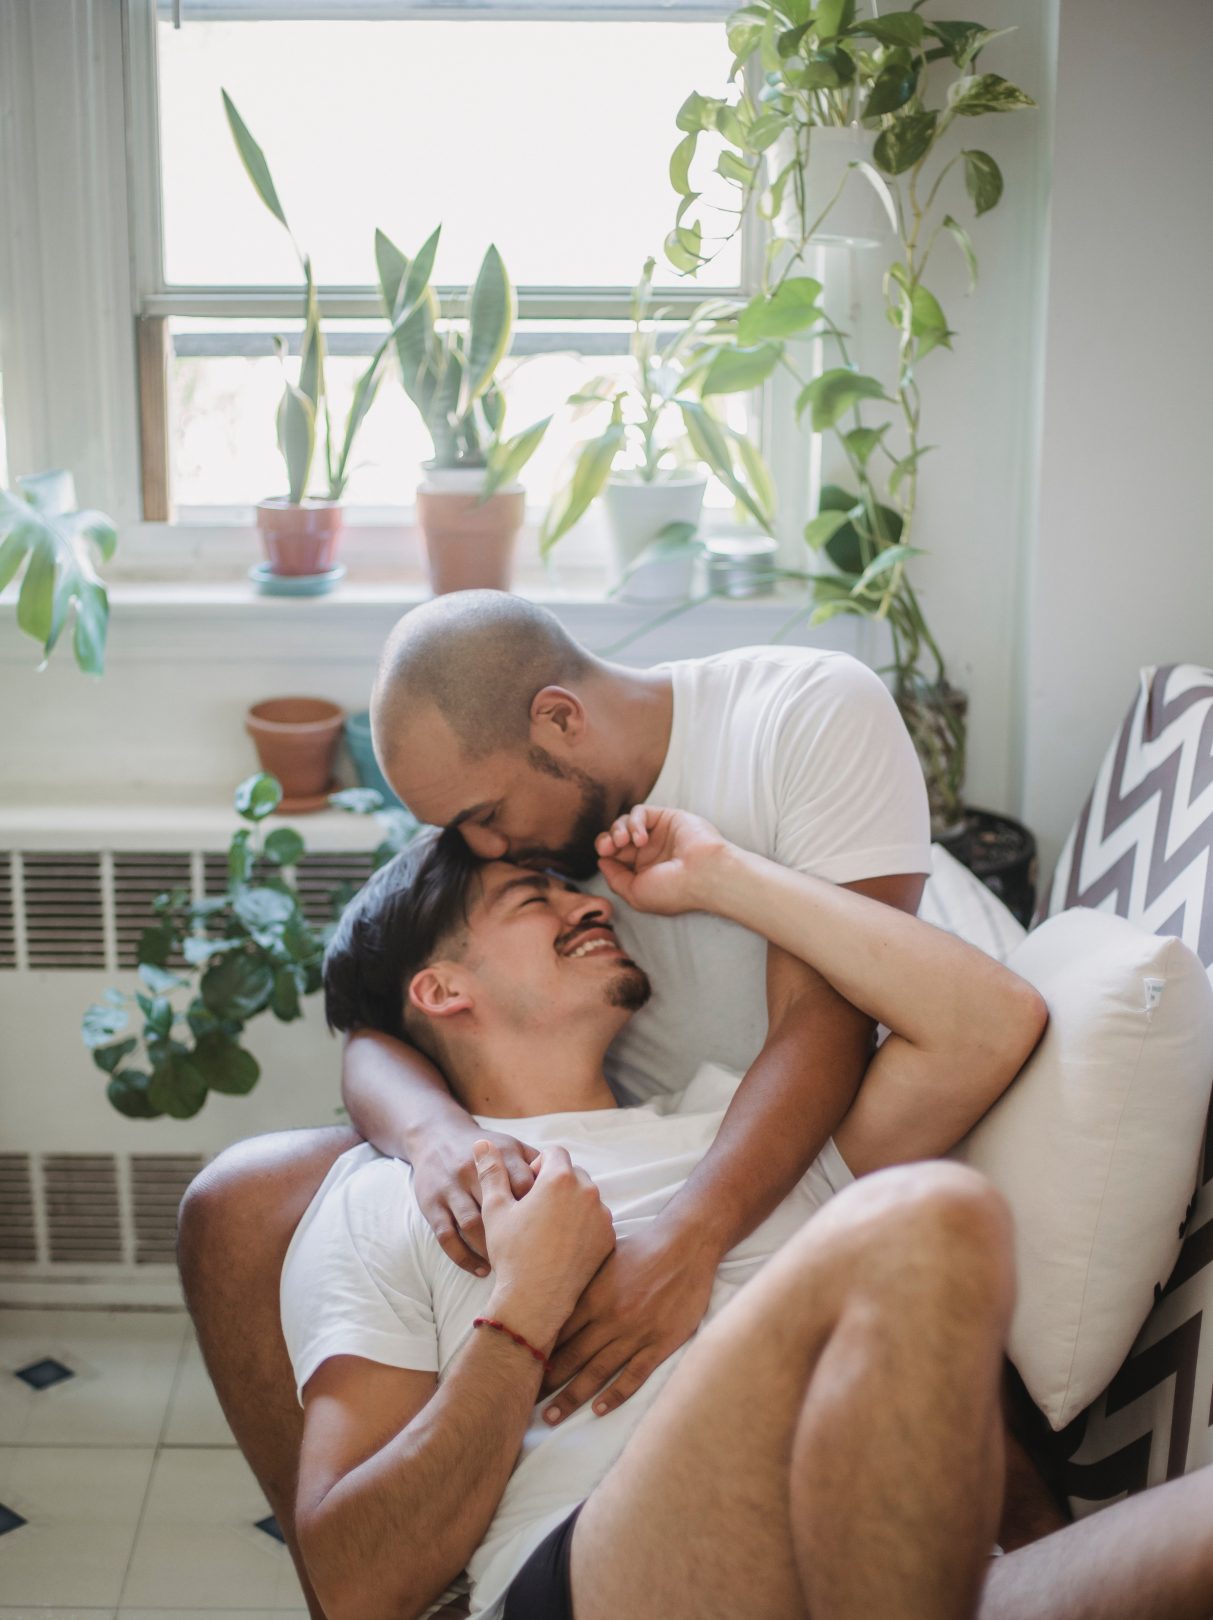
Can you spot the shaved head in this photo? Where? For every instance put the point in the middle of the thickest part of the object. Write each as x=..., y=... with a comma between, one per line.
x=478, y=657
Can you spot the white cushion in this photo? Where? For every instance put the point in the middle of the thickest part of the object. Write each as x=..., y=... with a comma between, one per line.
x=955, y=900
x=1096, y=1145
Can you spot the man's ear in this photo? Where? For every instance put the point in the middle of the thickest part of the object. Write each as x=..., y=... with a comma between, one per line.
x=437, y=993
x=558, y=717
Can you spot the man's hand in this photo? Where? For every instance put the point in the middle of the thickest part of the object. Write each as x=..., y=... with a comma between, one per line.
x=545, y=1247
x=646, y=1301
x=448, y=1189
x=661, y=861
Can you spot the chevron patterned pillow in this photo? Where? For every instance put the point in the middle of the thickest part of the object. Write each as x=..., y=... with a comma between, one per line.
x=1143, y=847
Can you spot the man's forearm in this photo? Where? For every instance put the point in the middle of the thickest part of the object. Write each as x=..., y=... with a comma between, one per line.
x=394, y=1094
x=391, y=1534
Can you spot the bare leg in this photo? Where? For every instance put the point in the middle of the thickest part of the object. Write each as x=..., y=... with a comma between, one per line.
x=830, y=1444
x=236, y=1221
x=1147, y=1558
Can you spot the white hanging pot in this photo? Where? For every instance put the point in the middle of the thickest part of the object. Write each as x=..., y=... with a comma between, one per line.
x=863, y=215
x=636, y=513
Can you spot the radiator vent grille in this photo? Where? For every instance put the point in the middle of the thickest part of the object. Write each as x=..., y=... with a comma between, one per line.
x=158, y=1181
x=138, y=879
x=18, y=1233
x=83, y=1213
x=63, y=910
x=317, y=876
x=8, y=932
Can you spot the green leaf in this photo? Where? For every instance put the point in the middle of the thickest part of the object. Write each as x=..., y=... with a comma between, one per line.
x=766, y=130
x=893, y=87
x=12, y=554
x=492, y=320
x=965, y=245
x=296, y=427
x=674, y=540
x=253, y=159
x=791, y=308
x=733, y=371
x=508, y=457
x=710, y=441
x=682, y=247
x=240, y=858
x=735, y=168
x=158, y=979
x=698, y=112
x=35, y=605
x=983, y=181
x=176, y=1087
x=898, y=28
x=155, y=947
x=590, y=474
x=927, y=322
x=986, y=93
x=224, y=1065
x=861, y=441
x=107, y=1058
x=905, y=141
x=198, y=950
x=284, y=846
x=101, y=1022
x=419, y=271
x=284, y=1000
x=258, y=796
x=358, y=801
x=91, y=627
x=835, y=392
x=833, y=17
x=263, y=908
x=823, y=528
x=899, y=471
x=881, y=565
x=237, y=986
x=680, y=164
x=128, y=1092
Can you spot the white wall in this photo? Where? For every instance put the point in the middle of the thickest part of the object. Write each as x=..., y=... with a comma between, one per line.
x=1122, y=571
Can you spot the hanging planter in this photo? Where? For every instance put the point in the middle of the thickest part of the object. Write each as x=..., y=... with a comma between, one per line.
x=841, y=198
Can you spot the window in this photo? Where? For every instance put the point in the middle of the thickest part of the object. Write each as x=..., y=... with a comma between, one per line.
x=546, y=128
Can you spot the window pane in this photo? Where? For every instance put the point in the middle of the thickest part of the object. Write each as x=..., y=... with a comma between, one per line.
x=222, y=409
x=551, y=139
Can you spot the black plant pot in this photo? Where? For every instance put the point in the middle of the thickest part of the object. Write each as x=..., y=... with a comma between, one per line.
x=1002, y=853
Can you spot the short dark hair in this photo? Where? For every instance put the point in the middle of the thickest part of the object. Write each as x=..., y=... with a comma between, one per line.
x=398, y=921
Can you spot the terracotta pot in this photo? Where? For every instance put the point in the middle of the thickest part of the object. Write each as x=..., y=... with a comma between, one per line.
x=468, y=547
x=296, y=740
x=299, y=539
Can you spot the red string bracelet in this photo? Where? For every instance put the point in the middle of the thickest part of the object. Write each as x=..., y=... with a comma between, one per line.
x=487, y=1321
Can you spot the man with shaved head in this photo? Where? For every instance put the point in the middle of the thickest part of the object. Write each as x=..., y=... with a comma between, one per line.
x=489, y=718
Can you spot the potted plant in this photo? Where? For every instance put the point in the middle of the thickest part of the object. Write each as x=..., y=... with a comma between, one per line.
x=296, y=740
x=301, y=533
x=470, y=505
x=880, y=66
x=40, y=528
x=651, y=476
x=210, y=966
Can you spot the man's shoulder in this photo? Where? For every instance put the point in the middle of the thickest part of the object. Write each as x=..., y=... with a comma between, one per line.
x=369, y=1193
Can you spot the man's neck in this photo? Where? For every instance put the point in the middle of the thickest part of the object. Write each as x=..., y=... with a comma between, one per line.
x=640, y=718
x=524, y=1077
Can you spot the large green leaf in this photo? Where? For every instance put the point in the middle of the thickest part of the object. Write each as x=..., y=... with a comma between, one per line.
x=35, y=604
x=883, y=564
x=257, y=796
x=224, y=1065
x=682, y=247
x=986, y=93
x=237, y=985
x=176, y=1087
x=492, y=320
x=508, y=457
x=102, y=1022
x=263, y=908
x=897, y=28
x=711, y=440
x=253, y=159
x=284, y=846
x=128, y=1092
x=791, y=308
x=983, y=180
x=733, y=371
x=893, y=87
x=590, y=474
x=905, y=141
x=821, y=529
x=834, y=393
x=832, y=17
x=680, y=165
x=296, y=439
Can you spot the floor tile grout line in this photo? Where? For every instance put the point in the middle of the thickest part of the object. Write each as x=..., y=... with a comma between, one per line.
x=187, y=1334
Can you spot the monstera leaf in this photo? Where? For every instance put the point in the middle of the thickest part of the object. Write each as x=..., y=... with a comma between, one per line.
x=40, y=531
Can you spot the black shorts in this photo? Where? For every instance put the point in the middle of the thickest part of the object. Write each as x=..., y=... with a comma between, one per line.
x=542, y=1590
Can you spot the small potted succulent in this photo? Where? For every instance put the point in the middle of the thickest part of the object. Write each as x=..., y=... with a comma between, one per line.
x=301, y=533
x=209, y=966
x=470, y=505
x=39, y=523
x=651, y=461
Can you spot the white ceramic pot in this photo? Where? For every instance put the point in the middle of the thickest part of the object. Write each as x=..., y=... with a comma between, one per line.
x=864, y=215
x=636, y=513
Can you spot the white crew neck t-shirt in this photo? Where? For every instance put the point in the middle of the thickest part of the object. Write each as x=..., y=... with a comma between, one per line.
x=364, y=1276
x=796, y=754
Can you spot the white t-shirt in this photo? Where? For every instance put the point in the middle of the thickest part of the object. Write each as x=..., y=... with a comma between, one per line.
x=364, y=1276
x=799, y=755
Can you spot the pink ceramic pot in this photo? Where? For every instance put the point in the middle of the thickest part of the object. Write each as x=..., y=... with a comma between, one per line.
x=296, y=740
x=299, y=539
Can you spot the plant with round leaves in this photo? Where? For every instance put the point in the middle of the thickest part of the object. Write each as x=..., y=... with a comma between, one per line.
x=208, y=966
x=449, y=370
x=41, y=531
x=709, y=354
x=910, y=79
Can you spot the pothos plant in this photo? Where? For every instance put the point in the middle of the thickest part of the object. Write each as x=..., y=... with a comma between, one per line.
x=449, y=371
x=208, y=966
x=668, y=380
x=306, y=403
x=908, y=79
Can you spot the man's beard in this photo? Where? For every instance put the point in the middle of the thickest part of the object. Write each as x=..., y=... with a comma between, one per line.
x=629, y=989
x=578, y=857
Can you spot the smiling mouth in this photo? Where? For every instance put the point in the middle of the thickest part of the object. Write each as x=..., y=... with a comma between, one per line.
x=601, y=941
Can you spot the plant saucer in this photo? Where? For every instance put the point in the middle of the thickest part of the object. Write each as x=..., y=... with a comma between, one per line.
x=271, y=584
x=306, y=802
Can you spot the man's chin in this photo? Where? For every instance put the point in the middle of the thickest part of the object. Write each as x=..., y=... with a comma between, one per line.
x=629, y=988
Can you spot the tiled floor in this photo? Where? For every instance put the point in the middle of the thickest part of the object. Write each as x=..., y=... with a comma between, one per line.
x=135, y=1500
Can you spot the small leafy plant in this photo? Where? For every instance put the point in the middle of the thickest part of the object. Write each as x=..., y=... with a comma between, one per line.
x=40, y=529
x=209, y=966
